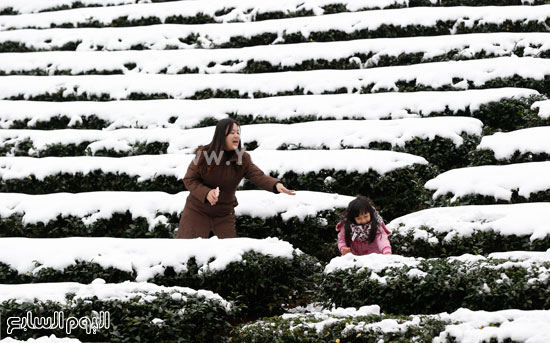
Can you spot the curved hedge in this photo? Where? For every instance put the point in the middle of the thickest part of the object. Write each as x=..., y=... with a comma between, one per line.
x=506, y=114
x=491, y=184
x=542, y=86
x=73, y=5
x=438, y=285
x=479, y=242
x=95, y=180
x=396, y=193
x=329, y=9
x=255, y=65
x=367, y=325
x=441, y=152
x=321, y=327
x=262, y=284
x=26, y=147
x=359, y=54
x=487, y=157
x=267, y=38
x=191, y=318
x=319, y=228
x=478, y=199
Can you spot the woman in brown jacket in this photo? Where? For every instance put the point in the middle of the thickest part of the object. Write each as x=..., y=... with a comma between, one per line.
x=212, y=179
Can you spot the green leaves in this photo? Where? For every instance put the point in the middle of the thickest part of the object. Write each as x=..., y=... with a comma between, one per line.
x=188, y=319
x=261, y=284
x=446, y=286
x=479, y=242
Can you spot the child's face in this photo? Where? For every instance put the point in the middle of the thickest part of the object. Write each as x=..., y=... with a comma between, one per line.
x=363, y=218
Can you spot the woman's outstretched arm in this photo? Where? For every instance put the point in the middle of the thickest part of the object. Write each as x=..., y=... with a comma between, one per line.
x=258, y=177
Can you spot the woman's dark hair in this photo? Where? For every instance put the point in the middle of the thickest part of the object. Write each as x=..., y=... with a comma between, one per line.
x=217, y=145
x=361, y=204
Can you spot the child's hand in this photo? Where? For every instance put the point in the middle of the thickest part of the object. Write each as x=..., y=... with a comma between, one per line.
x=345, y=251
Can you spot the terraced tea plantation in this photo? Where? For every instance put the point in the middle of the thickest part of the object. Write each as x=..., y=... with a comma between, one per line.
x=438, y=110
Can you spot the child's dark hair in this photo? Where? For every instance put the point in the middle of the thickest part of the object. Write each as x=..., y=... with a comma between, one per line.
x=361, y=204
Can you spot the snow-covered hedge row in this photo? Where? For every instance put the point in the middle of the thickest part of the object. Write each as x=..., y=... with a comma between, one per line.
x=445, y=140
x=527, y=145
x=409, y=285
x=512, y=183
x=144, y=311
x=367, y=324
x=476, y=229
x=454, y=75
x=498, y=107
x=11, y=7
x=356, y=54
x=211, y=11
x=263, y=275
x=260, y=214
x=407, y=22
x=394, y=179
x=186, y=12
x=180, y=12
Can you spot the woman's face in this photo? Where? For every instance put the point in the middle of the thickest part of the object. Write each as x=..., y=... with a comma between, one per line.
x=233, y=138
x=363, y=218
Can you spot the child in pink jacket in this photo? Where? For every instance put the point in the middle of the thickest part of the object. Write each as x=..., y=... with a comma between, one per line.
x=362, y=231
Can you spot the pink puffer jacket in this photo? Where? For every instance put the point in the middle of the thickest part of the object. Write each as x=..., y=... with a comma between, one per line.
x=380, y=245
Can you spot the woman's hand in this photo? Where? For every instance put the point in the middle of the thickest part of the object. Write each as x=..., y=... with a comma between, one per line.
x=345, y=250
x=282, y=189
x=213, y=195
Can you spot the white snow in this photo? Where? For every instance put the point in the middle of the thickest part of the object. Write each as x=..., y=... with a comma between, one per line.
x=240, y=11
x=316, y=318
x=32, y=6
x=385, y=326
x=146, y=257
x=40, y=5
x=330, y=316
x=43, y=339
x=148, y=167
x=466, y=326
x=187, y=113
x=94, y=206
x=330, y=134
x=376, y=263
x=172, y=61
x=534, y=140
x=57, y=291
x=543, y=108
x=528, y=219
x=523, y=256
x=463, y=325
x=495, y=181
x=211, y=35
x=435, y=75
x=483, y=326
